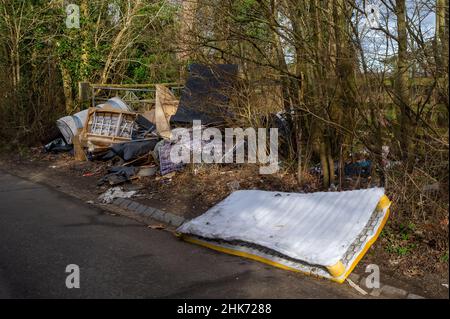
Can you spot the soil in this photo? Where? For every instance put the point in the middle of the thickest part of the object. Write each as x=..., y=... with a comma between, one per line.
x=414, y=258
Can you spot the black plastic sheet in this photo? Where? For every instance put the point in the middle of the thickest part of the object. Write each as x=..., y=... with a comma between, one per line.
x=130, y=150
x=206, y=93
x=58, y=145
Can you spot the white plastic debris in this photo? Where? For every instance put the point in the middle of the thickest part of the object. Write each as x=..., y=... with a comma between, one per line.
x=113, y=193
x=116, y=103
x=69, y=125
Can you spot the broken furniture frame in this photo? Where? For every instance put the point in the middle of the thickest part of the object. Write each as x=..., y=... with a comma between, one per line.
x=106, y=126
x=130, y=92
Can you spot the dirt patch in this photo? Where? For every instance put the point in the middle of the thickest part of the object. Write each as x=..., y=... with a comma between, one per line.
x=413, y=256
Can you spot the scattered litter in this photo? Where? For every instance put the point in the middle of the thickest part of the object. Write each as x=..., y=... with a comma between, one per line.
x=356, y=287
x=146, y=171
x=58, y=145
x=97, y=171
x=133, y=187
x=118, y=174
x=144, y=128
x=158, y=227
x=113, y=193
x=332, y=188
x=88, y=174
x=169, y=176
x=361, y=168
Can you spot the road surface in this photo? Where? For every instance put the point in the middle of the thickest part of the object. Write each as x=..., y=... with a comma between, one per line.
x=42, y=231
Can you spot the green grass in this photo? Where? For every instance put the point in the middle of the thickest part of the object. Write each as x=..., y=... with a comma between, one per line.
x=400, y=249
x=399, y=242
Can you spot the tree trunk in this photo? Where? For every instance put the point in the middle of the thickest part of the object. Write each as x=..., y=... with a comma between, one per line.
x=84, y=68
x=67, y=87
x=442, y=50
x=187, y=25
x=401, y=82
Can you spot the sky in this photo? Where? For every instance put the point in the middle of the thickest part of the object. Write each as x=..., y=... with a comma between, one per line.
x=376, y=45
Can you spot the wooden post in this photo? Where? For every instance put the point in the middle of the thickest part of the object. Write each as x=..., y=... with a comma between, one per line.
x=78, y=151
x=84, y=91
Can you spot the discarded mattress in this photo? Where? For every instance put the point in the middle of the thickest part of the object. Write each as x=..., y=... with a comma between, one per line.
x=324, y=234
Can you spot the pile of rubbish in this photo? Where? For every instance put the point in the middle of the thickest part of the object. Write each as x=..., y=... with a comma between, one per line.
x=361, y=167
x=322, y=234
x=138, y=144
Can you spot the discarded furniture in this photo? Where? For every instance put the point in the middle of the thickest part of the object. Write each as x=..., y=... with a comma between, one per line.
x=108, y=126
x=71, y=124
x=139, y=96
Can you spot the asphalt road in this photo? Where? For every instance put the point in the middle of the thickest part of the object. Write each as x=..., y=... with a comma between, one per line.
x=42, y=231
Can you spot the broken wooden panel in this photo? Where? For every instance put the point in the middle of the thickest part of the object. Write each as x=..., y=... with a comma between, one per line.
x=107, y=126
x=166, y=106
